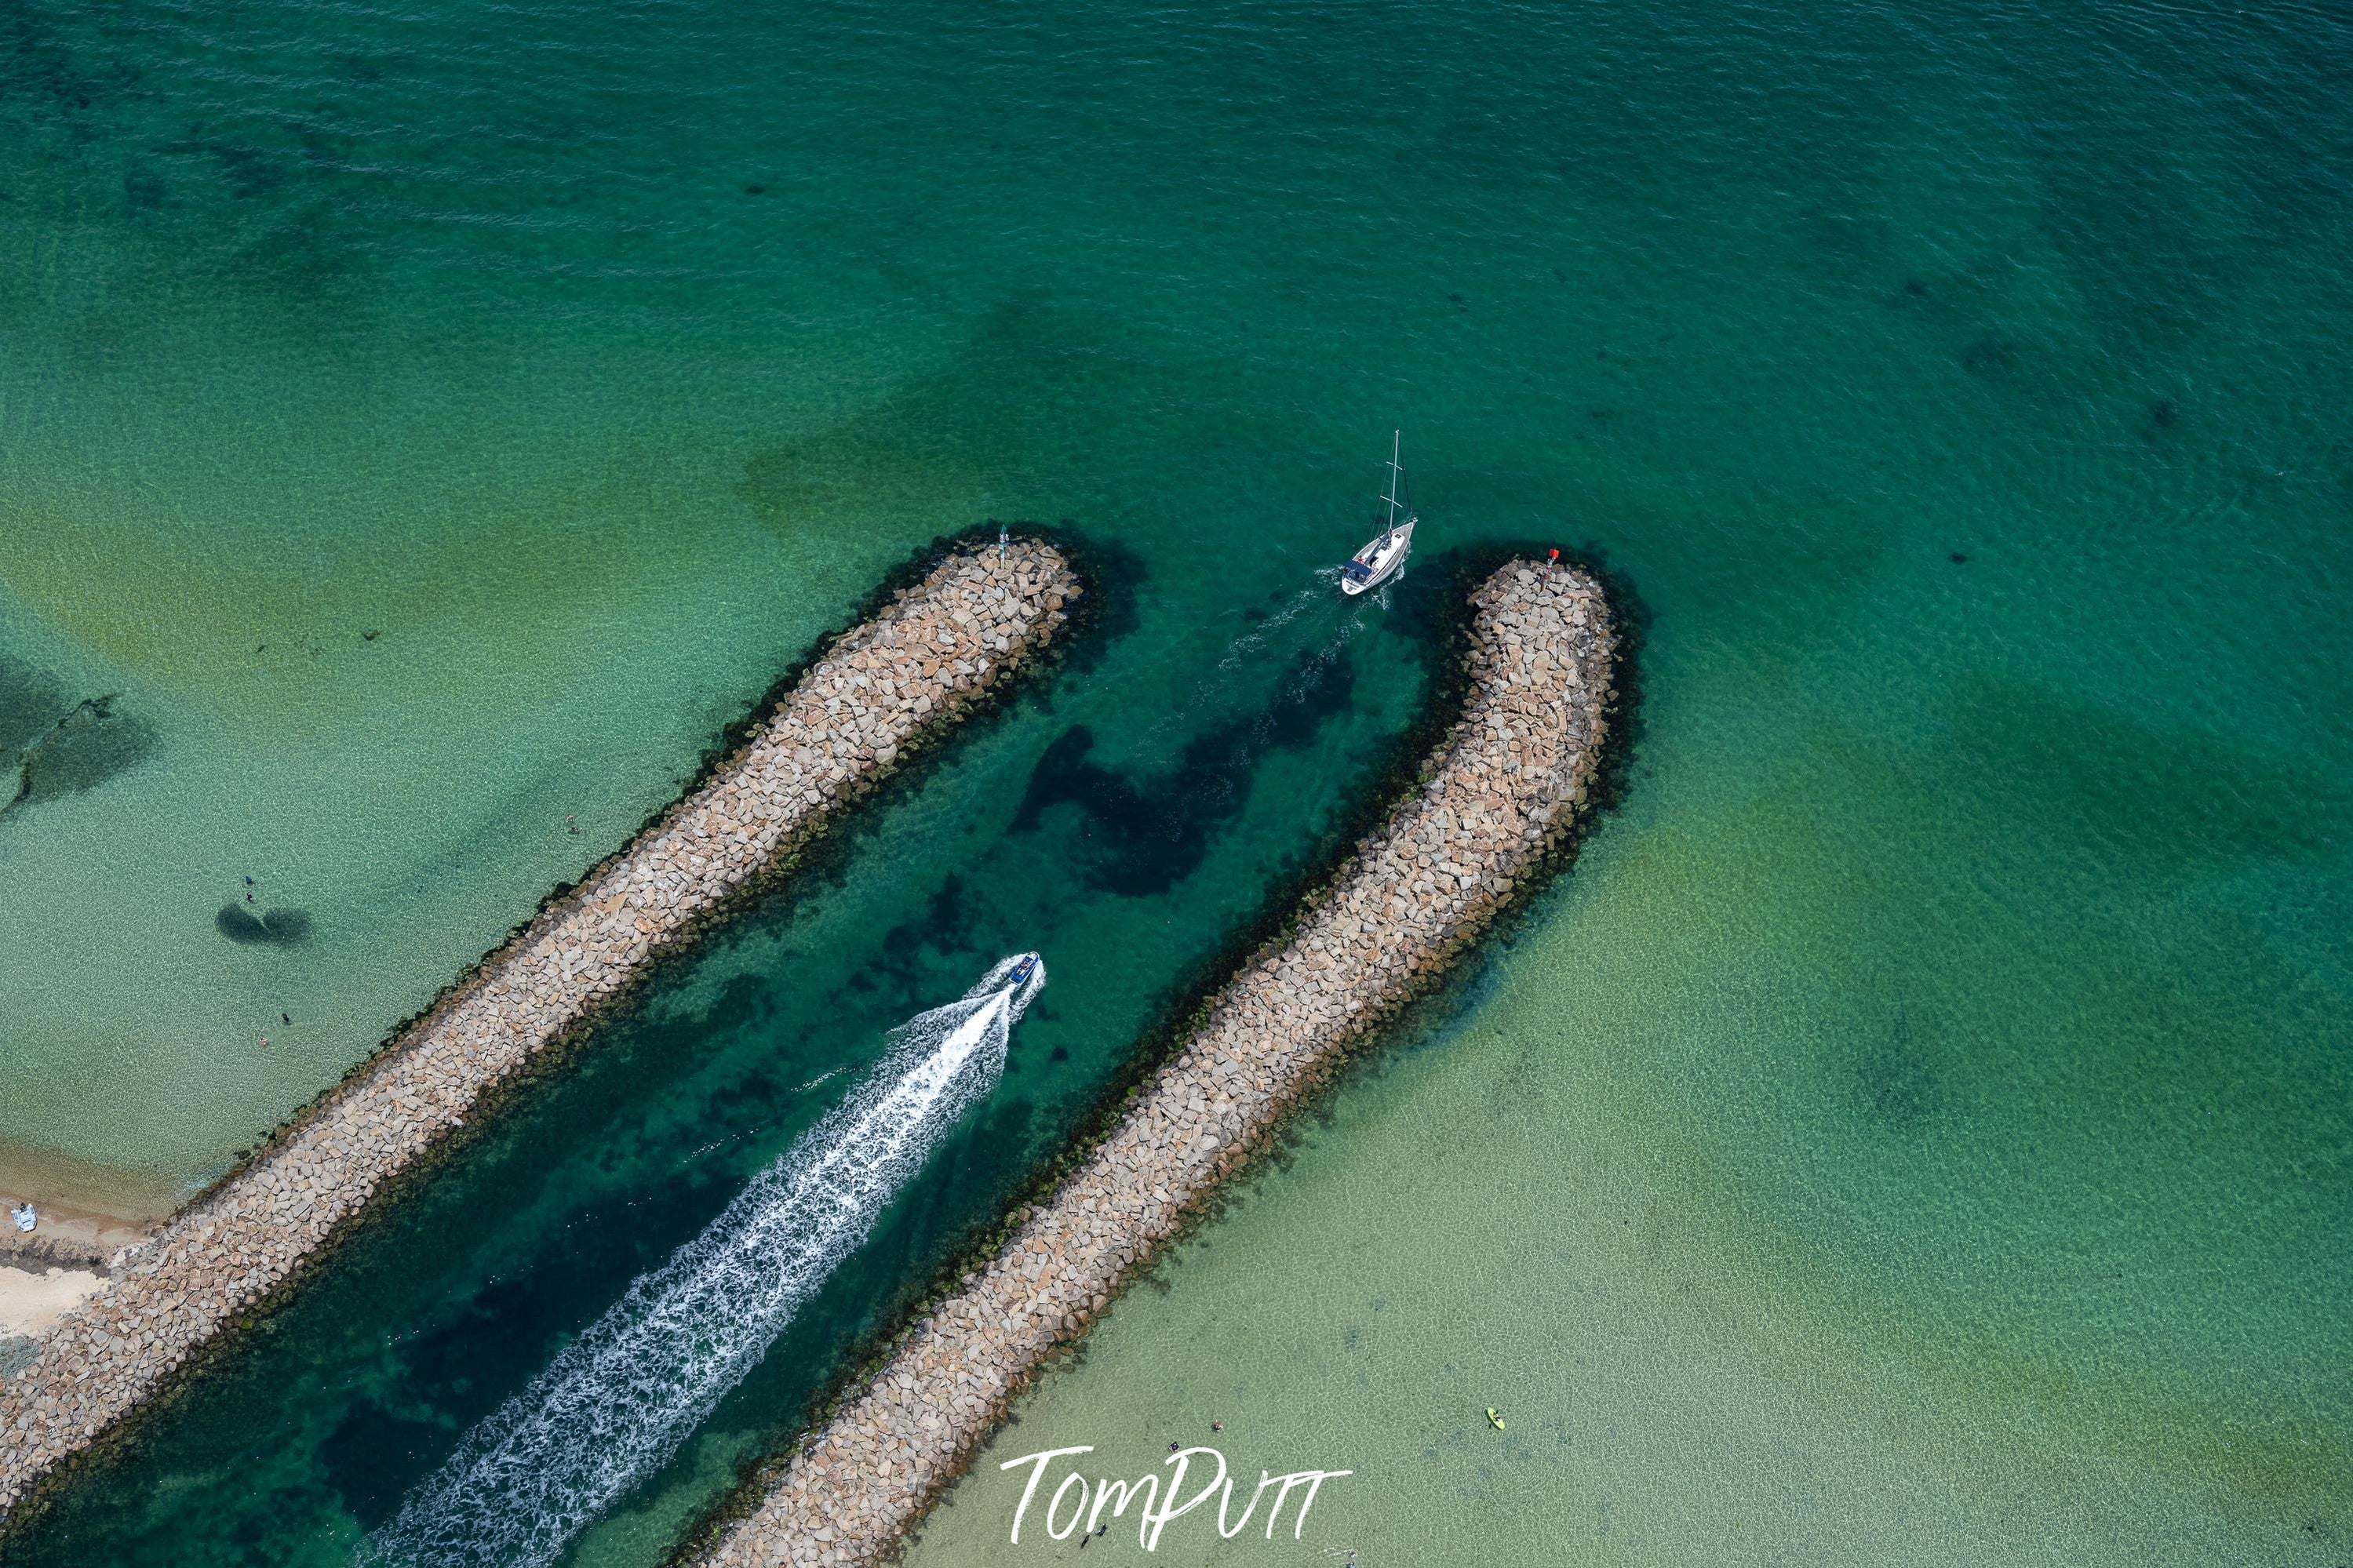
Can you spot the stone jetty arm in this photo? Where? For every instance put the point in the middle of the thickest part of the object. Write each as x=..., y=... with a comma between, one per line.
x=879, y=688
x=1501, y=790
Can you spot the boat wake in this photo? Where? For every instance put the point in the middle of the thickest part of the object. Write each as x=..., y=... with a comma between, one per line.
x=619, y=1400
x=1315, y=598
x=1305, y=634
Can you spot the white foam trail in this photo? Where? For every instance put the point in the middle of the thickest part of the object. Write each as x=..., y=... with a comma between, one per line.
x=1299, y=604
x=619, y=1400
x=1247, y=647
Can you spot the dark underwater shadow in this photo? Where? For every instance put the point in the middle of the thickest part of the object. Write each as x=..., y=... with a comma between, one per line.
x=30, y=701
x=51, y=745
x=263, y=928
x=1146, y=833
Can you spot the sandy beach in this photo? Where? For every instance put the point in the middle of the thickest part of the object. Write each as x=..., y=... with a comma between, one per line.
x=43, y=1271
x=31, y=1303
x=96, y=1197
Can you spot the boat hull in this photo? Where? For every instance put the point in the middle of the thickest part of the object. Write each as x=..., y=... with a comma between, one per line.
x=1384, y=566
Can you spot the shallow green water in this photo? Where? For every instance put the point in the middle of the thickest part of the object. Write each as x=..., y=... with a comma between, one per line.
x=1917, y=1130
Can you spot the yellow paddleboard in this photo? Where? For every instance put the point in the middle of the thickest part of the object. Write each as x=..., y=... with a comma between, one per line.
x=1495, y=1418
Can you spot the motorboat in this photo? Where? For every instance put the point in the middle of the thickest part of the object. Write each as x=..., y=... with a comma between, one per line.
x=1378, y=561
x=1018, y=980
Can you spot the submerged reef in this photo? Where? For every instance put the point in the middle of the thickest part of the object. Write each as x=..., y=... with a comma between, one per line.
x=250, y=926
x=1148, y=833
x=51, y=744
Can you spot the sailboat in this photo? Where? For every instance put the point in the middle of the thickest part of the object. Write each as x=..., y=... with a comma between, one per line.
x=1378, y=561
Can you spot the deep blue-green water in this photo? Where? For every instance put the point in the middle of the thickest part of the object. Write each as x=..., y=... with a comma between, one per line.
x=1918, y=1131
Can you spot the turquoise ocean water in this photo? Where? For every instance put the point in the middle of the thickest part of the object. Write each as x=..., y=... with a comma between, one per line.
x=1916, y=1132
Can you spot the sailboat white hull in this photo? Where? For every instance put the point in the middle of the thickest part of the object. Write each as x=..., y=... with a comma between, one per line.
x=1379, y=560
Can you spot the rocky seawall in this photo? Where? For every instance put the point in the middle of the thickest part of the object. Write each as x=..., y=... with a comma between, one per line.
x=1499, y=792
x=881, y=688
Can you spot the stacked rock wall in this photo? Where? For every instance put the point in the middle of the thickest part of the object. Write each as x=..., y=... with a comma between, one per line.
x=881, y=687
x=1501, y=790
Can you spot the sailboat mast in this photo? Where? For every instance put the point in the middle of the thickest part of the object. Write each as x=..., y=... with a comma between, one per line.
x=1395, y=450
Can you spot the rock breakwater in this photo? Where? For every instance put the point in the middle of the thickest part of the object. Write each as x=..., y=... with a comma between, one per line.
x=1501, y=790
x=879, y=690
